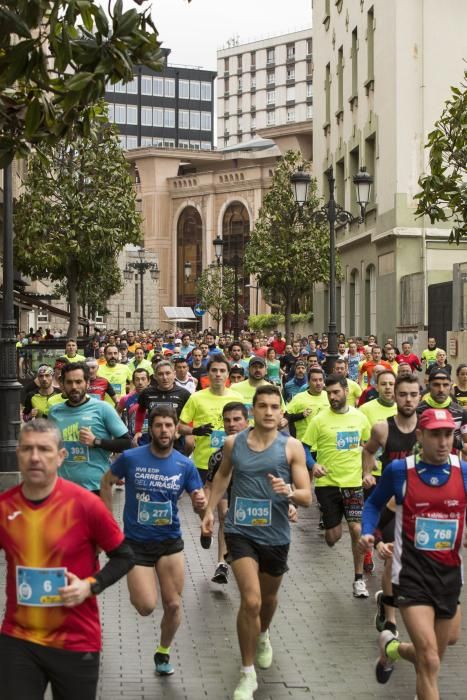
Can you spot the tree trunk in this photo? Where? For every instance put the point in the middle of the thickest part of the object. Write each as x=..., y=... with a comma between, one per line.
x=72, y=331
x=288, y=317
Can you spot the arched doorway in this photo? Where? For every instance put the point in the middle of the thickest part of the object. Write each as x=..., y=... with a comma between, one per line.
x=354, y=303
x=235, y=233
x=189, y=249
x=370, y=300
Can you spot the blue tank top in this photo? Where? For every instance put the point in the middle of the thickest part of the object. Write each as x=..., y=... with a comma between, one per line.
x=255, y=511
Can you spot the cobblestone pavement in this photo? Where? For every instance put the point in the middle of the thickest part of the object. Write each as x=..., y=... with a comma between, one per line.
x=324, y=641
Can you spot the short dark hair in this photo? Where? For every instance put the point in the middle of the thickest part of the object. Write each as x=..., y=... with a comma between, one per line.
x=407, y=378
x=386, y=371
x=138, y=370
x=235, y=406
x=71, y=366
x=218, y=358
x=71, y=340
x=316, y=370
x=336, y=379
x=267, y=390
x=234, y=344
x=180, y=360
x=162, y=412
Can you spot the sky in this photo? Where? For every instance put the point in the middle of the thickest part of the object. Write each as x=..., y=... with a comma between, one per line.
x=195, y=31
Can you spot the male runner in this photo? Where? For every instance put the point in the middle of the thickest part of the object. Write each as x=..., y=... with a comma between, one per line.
x=49, y=531
x=408, y=356
x=183, y=377
x=257, y=371
x=430, y=493
x=429, y=354
x=37, y=401
x=355, y=391
x=139, y=362
x=99, y=387
x=335, y=436
x=393, y=438
x=268, y=470
x=128, y=404
x=299, y=381
x=71, y=351
x=155, y=476
x=91, y=429
x=116, y=373
x=307, y=404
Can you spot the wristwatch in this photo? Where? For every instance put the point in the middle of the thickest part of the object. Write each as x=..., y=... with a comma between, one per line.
x=95, y=587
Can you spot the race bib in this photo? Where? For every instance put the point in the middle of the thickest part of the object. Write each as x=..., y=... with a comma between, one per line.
x=217, y=438
x=435, y=535
x=347, y=440
x=116, y=387
x=154, y=513
x=39, y=587
x=252, y=512
x=76, y=452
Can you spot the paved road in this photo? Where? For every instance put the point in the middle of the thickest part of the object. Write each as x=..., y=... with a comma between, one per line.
x=324, y=640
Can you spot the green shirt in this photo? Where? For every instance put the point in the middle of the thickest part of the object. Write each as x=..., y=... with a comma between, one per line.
x=116, y=376
x=336, y=438
x=355, y=391
x=76, y=358
x=247, y=392
x=429, y=356
x=300, y=403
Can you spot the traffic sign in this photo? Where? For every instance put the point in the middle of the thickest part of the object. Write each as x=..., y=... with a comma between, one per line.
x=198, y=310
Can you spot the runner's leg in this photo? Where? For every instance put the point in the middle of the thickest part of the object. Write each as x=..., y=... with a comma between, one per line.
x=269, y=586
x=171, y=574
x=141, y=582
x=248, y=620
x=423, y=652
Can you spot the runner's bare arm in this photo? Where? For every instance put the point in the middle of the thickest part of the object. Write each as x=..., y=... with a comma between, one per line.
x=219, y=485
x=107, y=481
x=378, y=438
x=299, y=473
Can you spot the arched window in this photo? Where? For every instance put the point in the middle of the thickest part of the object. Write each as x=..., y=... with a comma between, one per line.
x=235, y=232
x=189, y=249
x=370, y=300
x=354, y=305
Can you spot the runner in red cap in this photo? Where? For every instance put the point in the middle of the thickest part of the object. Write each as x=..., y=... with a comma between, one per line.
x=430, y=494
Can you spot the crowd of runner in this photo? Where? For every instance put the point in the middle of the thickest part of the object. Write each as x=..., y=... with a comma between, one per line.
x=250, y=429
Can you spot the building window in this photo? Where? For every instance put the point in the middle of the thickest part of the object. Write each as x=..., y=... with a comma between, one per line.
x=309, y=111
x=157, y=116
x=290, y=93
x=120, y=87
x=340, y=183
x=169, y=87
x=271, y=118
x=169, y=143
x=226, y=86
x=206, y=91
x=195, y=121
x=205, y=145
x=169, y=118
x=131, y=114
x=109, y=87
x=122, y=140
x=253, y=81
x=309, y=47
x=132, y=87
x=183, y=144
x=290, y=51
x=240, y=85
x=136, y=297
x=309, y=89
x=120, y=114
x=158, y=87
x=194, y=90
x=146, y=141
x=340, y=79
x=309, y=69
x=253, y=59
x=327, y=90
x=131, y=142
x=205, y=121
x=146, y=85
x=270, y=76
x=270, y=97
x=235, y=234
x=239, y=62
x=291, y=114
x=146, y=116
x=184, y=89
x=110, y=112
x=371, y=42
x=195, y=145
x=270, y=55
x=158, y=142
x=291, y=73
x=253, y=124
x=184, y=119
x=189, y=249
x=226, y=65
x=354, y=63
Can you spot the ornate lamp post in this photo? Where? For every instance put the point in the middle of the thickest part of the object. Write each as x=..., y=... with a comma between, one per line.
x=141, y=266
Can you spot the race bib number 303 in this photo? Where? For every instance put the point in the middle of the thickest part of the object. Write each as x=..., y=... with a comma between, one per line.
x=435, y=535
x=252, y=512
x=76, y=452
x=39, y=587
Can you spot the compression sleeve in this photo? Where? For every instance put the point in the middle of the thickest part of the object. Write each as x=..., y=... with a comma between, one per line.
x=121, y=560
x=310, y=461
x=378, y=499
x=116, y=444
x=294, y=417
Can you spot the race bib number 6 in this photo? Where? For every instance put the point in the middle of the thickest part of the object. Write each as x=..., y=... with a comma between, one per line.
x=39, y=587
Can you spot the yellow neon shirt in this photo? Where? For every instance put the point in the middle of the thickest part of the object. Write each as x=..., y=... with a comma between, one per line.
x=355, y=391
x=116, y=376
x=301, y=402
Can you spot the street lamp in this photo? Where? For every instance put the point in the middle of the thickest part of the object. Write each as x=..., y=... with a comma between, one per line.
x=333, y=213
x=187, y=270
x=141, y=266
x=218, y=244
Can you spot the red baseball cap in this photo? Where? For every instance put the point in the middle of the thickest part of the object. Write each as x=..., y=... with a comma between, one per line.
x=434, y=418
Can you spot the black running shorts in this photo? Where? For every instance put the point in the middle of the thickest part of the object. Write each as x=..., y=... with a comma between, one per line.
x=149, y=553
x=444, y=604
x=271, y=560
x=337, y=503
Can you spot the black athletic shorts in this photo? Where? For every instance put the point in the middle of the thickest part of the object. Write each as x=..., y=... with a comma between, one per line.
x=149, y=553
x=271, y=560
x=203, y=473
x=337, y=503
x=26, y=669
x=444, y=604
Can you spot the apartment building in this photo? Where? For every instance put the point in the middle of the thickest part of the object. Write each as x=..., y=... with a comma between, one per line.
x=263, y=84
x=173, y=108
x=383, y=71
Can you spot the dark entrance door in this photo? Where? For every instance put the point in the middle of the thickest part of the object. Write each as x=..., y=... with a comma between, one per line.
x=440, y=311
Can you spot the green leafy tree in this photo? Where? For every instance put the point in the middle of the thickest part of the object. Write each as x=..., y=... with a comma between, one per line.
x=216, y=291
x=444, y=190
x=55, y=59
x=76, y=214
x=288, y=250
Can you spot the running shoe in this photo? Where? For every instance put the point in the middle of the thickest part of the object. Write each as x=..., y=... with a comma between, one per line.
x=391, y=627
x=264, y=653
x=380, y=617
x=384, y=666
x=359, y=589
x=246, y=686
x=221, y=574
x=368, y=563
x=163, y=665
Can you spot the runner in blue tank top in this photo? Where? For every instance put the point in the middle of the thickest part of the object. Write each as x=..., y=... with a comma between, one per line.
x=269, y=472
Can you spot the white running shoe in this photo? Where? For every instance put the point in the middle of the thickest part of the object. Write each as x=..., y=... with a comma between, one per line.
x=246, y=686
x=359, y=589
